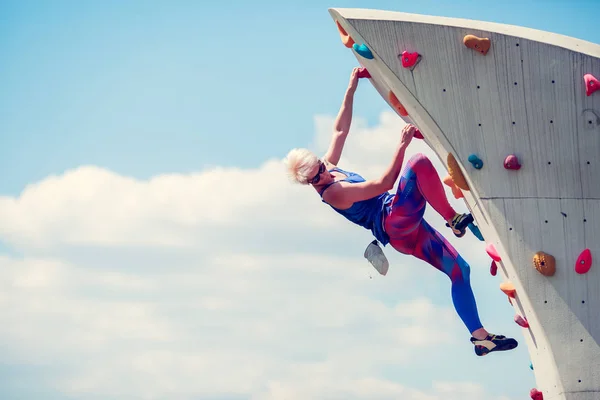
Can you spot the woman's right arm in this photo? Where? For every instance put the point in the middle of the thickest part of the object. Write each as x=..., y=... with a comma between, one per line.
x=393, y=171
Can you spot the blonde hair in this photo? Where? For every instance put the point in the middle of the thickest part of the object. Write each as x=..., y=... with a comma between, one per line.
x=300, y=163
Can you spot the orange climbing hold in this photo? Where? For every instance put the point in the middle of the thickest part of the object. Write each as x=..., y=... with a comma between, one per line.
x=544, y=263
x=492, y=252
x=591, y=84
x=480, y=45
x=346, y=39
x=521, y=321
x=584, y=262
x=455, y=189
x=508, y=289
x=456, y=173
x=396, y=104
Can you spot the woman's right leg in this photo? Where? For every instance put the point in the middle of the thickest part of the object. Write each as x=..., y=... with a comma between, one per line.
x=410, y=234
x=431, y=247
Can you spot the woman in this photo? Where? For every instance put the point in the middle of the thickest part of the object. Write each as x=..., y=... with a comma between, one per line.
x=397, y=219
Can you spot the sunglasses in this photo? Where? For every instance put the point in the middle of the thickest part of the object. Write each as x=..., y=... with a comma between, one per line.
x=315, y=179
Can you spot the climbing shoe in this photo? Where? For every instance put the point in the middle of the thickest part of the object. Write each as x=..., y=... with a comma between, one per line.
x=374, y=254
x=493, y=343
x=459, y=224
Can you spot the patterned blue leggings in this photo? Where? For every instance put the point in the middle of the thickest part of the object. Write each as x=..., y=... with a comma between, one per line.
x=410, y=234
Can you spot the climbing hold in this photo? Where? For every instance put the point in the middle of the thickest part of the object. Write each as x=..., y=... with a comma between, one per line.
x=396, y=104
x=363, y=73
x=493, y=268
x=512, y=162
x=591, y=84
x=544, y=263
x=536, y=394
x=455, y=190
x=346, y=39
x=531, y=366
x=492, y=252
x=584, y=262
x=476, y=161
x=475, y=230
x=363, y=50
x=410, y=60
x=418, y=134
x=481, y=45
x=456, y=173
x=521, y=321
x=508, y=289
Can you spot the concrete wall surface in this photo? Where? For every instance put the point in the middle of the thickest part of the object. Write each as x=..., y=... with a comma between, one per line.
x=526, y=97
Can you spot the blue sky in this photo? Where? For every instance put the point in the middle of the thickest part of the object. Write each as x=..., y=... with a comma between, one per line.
x=149, y=87
x=120, y=237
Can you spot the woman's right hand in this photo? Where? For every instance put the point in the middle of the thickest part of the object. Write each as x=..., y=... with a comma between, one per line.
x=407, y=134
x=353, y=79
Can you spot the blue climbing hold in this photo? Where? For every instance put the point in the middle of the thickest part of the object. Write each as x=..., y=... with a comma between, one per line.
x=476, y=231
x=531, y=366
x=476, y=161
x=363, y=50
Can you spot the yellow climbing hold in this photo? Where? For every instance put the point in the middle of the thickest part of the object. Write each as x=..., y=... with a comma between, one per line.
x=456, y=173
x=544, y=263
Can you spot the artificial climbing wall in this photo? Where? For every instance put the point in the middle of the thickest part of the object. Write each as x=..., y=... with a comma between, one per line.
x=513, y=114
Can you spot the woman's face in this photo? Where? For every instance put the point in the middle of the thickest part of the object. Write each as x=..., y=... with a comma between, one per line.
x=320, y=175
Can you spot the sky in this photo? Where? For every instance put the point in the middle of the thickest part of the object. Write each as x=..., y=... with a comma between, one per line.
x=151, y=246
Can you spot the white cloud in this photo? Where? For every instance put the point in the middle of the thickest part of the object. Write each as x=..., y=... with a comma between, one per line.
x=220, y=283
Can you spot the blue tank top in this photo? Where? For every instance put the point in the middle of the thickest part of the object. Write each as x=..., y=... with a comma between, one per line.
x=366, y=213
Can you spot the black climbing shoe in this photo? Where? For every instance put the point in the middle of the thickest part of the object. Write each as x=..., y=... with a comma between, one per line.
x=493, y=343
x=459, y=225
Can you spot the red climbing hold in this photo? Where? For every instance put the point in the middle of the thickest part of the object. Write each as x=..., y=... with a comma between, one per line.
x=521, y=321
x=591, y=84
x=584, y=262
x=512, y=162
x=492, y=252
x=493, y=268
x=363, y=73
x=410, y=60
x=536, y=394
x=418, y=134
